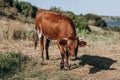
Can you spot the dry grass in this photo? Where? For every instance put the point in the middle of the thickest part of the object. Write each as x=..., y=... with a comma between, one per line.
x=94, y=62
x=13, y=29
x=101, y=37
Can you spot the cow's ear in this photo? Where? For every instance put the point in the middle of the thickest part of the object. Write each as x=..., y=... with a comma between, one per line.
x=82, y=43
x=63, y=42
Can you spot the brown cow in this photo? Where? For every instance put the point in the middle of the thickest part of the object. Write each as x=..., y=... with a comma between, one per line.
x=56, y=26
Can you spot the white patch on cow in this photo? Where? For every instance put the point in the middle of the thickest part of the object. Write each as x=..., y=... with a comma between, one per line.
x=40, y=35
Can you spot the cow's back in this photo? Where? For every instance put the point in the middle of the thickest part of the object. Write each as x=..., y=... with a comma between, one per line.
x=54, y=25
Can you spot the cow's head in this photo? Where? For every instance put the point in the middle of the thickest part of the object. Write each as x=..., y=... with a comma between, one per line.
x=71, y=44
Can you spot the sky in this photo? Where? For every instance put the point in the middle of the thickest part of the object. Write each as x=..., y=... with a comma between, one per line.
x=99, y=7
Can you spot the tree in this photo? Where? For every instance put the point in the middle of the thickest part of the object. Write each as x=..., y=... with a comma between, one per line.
x=55, y=9
x=8, y=2
x=25, y=8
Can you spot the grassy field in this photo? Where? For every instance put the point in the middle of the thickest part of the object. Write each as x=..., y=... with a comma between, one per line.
x=99, y=60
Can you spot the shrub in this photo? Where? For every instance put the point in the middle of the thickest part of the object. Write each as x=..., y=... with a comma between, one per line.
x=95, y=20
x=81, y=24
x=25, y=8
x=20, y=34
x=11, y=63
x=55, y=9
x=23, y=34
x=2, y=13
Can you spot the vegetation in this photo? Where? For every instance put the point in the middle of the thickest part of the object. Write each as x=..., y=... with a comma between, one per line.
x=16, y=66
x=15, y=10
x=95, y=20
x=96, y=57
x=25, y=8
x=11, y=63
x=16, y=30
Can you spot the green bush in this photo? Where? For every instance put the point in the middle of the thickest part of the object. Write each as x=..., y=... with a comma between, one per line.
x=11, y=63
x=83, y=27
x=95, y=20
x=4, y=3
x=12, y=7
x=55, y=9
x=25, y=8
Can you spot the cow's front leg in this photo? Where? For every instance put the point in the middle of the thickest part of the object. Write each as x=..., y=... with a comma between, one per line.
x=62, y=52
x=42, y=47
x=66, y=62
x=62, y=61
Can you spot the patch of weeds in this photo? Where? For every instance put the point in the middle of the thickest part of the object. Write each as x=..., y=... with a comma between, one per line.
x=11, y=63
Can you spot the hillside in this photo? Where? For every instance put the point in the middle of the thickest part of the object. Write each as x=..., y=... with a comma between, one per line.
x=99, y=60
x=13, y=9
x=15, y=30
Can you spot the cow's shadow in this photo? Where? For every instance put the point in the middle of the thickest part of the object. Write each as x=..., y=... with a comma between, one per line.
x=98, y=63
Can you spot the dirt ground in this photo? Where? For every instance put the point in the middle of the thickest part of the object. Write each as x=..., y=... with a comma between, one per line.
x=94, y=62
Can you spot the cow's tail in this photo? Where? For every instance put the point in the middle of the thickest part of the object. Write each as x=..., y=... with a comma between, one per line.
x=36, y=37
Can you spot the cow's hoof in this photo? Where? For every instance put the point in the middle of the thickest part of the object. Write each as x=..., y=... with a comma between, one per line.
x=67, y=67
x=42, y=63
x=61, y=66
x=47, y=58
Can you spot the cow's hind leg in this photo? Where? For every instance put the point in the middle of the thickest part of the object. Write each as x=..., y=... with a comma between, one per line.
x=35, y=40
x=42, y=47
x=46, y=47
